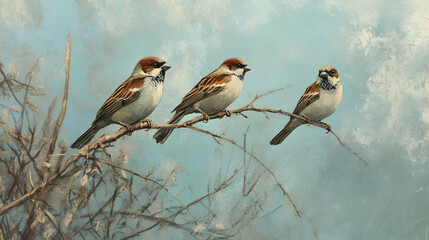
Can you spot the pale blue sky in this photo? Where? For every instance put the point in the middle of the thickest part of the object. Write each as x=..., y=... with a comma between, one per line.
x=380, y=48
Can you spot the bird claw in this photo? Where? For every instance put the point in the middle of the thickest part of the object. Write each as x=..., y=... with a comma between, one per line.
x=148, y=122
x=128, y=127
x=327, y=127
x=206, y=118
x=129, y=130
x=228, y=113
x=307, y=119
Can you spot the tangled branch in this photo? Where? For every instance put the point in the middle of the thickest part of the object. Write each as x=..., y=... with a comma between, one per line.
x=104, y=141
x=101, y=141
x=33, y=154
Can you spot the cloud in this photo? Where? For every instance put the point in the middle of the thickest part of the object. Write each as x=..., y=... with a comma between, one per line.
x=113, y=17
x=396, y=107
x=390, y=39
x=203, y=26
x=362, y=13
x=24, y=14
x=193, y=31
x=295, y=4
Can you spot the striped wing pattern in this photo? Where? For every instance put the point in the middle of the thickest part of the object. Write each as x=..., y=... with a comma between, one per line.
x=125, y=94
x=207, y=87
x=311, y=94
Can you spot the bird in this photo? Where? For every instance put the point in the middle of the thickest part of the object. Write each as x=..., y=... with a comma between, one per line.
x=133, y=101
x=318, y=102
x=211, y=95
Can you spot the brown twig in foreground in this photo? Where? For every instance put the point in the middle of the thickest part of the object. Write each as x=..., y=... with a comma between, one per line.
x=254, y=157
x=9, y=85
x=107, y=139
x=349, y=149
x=64, y=103
x=54, y=192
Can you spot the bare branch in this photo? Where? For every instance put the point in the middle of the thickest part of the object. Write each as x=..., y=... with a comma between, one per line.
x=141, y=231
x=101, y=141
x=104, y=140
x=257, y=159
x=9, y=206
x=265, y=94
x=9, y=85
x=78, y=184
x=64, y=104
x=349, y=149
x=122, y=168
x=148, y=179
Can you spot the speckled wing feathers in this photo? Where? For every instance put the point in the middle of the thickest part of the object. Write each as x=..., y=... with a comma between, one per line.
x=125, y=94
x=207, y=87
x=311, y=94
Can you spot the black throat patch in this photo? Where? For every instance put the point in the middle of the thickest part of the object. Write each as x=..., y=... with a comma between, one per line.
x=159, y=78
x=241, y=77
x=324, y=84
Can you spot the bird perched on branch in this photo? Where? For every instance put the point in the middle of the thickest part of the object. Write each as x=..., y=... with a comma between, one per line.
x=133, y=101
x=211, y=95
x=319, y=101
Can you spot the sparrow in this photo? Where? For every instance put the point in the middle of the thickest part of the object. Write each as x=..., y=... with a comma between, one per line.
x=211, y=95
x=319, y=101
x=133, y=101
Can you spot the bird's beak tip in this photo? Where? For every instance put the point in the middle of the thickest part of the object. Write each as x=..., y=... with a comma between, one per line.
x=323, y=75
x=165, y=67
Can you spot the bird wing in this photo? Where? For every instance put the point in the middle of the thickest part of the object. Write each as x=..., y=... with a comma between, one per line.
x=311, y=94
x=208, y=86
x=125, y=94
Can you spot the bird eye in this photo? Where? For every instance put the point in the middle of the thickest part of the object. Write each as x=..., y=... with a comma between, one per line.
x=241, y=65
x=332, y=71
x=157, y=64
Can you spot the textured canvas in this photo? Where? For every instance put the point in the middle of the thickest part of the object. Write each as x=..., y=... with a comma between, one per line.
x=352, y=77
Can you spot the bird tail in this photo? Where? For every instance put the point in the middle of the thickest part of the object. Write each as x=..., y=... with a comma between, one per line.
x=281, y=136
x=162, y=134
x=85, y=138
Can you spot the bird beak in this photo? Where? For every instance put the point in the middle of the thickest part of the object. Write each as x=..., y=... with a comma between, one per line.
x=165, y=67
x=247, y=68
x=323, y=74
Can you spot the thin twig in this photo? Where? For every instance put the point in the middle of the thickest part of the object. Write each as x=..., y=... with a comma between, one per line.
x=105, y=140
x=254, y=157
x=265, y=94
x=148, y=179
x=349, y=149
x=132, y=235
x=122, y=168
x=9, y=85
x=227, y=182
x=64, y=104
x=244, y=162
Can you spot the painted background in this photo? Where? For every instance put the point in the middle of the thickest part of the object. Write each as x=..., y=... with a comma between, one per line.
x=380, y=48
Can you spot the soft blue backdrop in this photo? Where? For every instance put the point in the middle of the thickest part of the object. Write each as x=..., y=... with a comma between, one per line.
x=381, y=49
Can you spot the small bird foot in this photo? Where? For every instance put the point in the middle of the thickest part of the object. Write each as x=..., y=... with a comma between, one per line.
x=327, y=127
x=149, y=123
x=307, y=119
x=205, y=115
x=128, y=127
x=228, y=113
